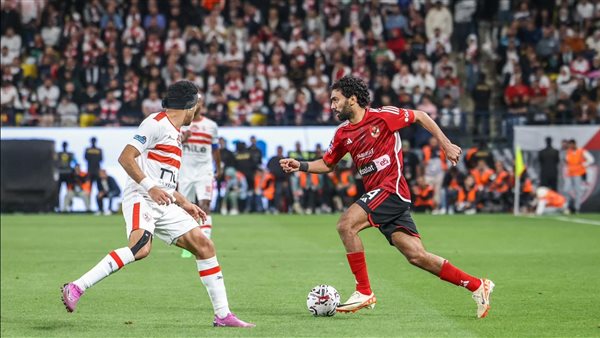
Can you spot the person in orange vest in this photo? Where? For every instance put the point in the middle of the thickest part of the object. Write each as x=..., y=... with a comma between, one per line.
x=549, y=201
x=576, y=162
x=453, y=184
x=310, y=184
x=346, y=186
x=261, y=178
x=470, y=199
x=435, y=166
x=482, y=174
x=78, y=186
x=423, y=195
x=500, y=187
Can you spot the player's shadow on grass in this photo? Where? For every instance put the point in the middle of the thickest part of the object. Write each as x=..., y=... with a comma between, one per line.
x=52, y=325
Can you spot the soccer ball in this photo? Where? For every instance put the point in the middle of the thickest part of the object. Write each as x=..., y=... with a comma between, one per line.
x=323, y=300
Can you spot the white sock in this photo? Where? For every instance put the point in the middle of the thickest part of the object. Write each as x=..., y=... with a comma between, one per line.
x=206, y=227
x=109, y=264
x=212, y=278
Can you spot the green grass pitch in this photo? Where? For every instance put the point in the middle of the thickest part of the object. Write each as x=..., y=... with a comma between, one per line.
x=546, y=270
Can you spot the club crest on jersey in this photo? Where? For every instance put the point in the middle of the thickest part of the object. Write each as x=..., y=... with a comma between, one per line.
x=375, y=131
x=146, y=217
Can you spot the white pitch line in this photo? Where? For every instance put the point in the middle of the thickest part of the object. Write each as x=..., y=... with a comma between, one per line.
x=577, y=220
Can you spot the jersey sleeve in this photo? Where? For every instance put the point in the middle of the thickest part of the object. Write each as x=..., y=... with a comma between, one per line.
x=335, y=152
x=145, y=135
x=215, y=135
x=397, y=118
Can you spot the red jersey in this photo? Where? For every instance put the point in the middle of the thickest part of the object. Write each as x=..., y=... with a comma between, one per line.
x=376, y=148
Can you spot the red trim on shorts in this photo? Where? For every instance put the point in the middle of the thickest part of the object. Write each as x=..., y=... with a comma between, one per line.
x=117, y=259
x=378, y=200
x=136, y=217
x=168, y=149
x=199, y=141
x=408, y=231
x=371, y=221
x=164, y=159
x=211, y=271
x=206, y=226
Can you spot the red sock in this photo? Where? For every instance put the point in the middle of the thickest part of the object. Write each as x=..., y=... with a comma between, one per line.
x=454, y=275
x=358, y=265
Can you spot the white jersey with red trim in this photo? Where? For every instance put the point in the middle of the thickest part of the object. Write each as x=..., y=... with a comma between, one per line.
x=159, y=144
x=197, y=158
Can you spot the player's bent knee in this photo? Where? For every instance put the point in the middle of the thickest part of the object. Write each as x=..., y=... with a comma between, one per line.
x=141, y=249
x=417, y=258
x=142, y=253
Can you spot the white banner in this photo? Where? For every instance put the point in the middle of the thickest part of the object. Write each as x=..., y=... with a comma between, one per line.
x=112, y=140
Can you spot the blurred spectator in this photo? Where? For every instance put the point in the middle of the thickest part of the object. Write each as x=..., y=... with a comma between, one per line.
x=68, y=112
x=152, y=104
x=549, y=201
x=435, y=165
x=549, y=160
x=423, y=196
x=282, y=190
x=93, y=156
x=107, y=188
x=77, y=186
x=577, y=160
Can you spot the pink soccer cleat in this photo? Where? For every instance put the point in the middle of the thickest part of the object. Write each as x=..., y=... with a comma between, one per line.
x=231, y=321
x=70, y=296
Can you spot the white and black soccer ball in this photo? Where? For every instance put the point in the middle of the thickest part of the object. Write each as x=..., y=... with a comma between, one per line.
x=323, y=300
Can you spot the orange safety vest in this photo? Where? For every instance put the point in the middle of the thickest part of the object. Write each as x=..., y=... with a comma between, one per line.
x=470, y=153
x=427, y=156
x=575, y=161
x=482, y=178
x=268, y=186
x=345, y=178
x=303, y=176
x=86, y=186
x=500, y=183
x=554, y=199
x=527, y=186
x=470, y=196
x=424, y=196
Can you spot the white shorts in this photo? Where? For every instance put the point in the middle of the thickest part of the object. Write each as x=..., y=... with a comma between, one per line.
x=199, y=189
x=167, y=222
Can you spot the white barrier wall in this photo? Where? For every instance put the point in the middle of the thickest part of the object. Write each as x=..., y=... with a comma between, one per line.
x=112, y=140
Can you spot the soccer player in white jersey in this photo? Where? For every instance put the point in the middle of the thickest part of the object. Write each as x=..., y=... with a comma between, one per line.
x=152, y=206
x=200, y=147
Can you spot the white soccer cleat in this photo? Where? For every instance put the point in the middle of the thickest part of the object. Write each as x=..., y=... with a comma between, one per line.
x=356, y=302
x=481, y=296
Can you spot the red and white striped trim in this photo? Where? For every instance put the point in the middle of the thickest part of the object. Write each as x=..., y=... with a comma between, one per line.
x=397, y=149
x=211, y=271
x=116, y=258
x=164, y=159
x=168, y=149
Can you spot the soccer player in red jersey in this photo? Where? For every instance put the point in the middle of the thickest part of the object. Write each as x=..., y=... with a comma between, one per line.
x=371, y=136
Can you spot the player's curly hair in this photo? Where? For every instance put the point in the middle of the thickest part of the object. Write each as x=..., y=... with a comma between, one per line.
x=181, y=95
x=350, y=85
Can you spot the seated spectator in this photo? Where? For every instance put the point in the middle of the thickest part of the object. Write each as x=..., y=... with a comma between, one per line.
x=152, y=104
x=500, y=188
x=453, y=183
x=109, y=109
x=67, y=112
x=482, y=174
x=107, y=188
x=78, y=185
x=423, y=196
x=236, y=188
x=470, y=199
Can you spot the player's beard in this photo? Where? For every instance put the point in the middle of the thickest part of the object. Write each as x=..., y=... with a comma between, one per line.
x=189, y=117
x=345, y=113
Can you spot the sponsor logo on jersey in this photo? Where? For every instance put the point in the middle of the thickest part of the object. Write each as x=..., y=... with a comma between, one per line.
x=377, y=164
x=141, y=139
x=365, y=154
x=375, y=131
x=405, y=114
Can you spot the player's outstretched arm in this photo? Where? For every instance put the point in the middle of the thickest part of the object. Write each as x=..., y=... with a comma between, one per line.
x=127, y=161
x=290, y=165
x=452, y=150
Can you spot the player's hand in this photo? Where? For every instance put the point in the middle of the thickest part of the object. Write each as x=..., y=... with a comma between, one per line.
x=160, y=196
x=289, y=165
x=194, y=211
x=453, y=153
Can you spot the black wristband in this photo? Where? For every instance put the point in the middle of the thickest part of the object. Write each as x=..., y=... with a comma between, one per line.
x=303, y=166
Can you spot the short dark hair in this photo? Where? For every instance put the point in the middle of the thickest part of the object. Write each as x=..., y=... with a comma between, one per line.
x=353, y=86
x=181, y=95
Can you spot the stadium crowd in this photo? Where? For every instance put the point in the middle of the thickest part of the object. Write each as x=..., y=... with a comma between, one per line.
x=108, y=62
x=483, y=181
